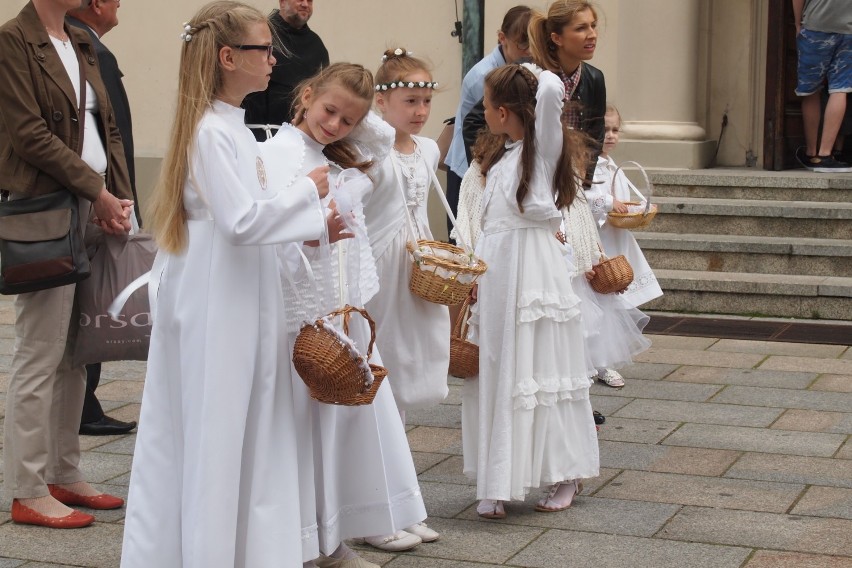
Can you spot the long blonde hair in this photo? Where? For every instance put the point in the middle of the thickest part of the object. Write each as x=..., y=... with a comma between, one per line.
x=559, y=14
x=216, y=25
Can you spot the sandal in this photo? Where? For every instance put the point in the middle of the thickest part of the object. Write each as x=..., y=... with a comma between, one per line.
x=491, y=509
x=555, y=489
x=611, y=378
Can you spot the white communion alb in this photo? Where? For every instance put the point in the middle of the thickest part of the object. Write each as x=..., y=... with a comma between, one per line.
x=214, y=482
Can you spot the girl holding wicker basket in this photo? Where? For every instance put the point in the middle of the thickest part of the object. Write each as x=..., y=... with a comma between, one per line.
x=354, y=459
x=527, y=420
x=612, y=191
x=413, y=334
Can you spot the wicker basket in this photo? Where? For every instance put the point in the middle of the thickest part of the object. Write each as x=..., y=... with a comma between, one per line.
x=439, y=275
x=464, y=355
x=636, y=219
x=612, y=275
x=330, y=369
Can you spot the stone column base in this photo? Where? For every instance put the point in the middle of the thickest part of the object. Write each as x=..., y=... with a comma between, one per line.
x=670, y=154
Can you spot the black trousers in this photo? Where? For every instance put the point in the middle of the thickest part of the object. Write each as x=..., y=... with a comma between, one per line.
x=453, y=188
x=92, y=411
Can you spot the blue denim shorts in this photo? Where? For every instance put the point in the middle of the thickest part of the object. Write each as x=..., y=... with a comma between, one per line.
x=822, y=56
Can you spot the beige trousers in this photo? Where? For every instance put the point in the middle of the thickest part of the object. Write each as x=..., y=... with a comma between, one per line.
x=45, y=395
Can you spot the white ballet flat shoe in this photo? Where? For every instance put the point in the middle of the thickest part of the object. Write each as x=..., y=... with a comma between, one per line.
x=424, y=532
x=397, y=542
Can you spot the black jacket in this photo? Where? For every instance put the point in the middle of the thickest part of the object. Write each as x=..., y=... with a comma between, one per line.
x=111, y=75
x=590, y=93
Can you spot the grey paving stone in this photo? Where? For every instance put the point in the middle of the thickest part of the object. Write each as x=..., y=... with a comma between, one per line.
x=442, y=415
x=593, y=514
x=454, y=396
x=845, y=452
x=829, y=472
x=412, y=561
x=815, y=421
x=773, y=559
x=667, y=459
x=744, y=377
x=681, y=342
x=778, y=348
x=447, y=499
x=755, y=440
x=558, y=549
x=786, y=398
x=762, y=530
x=700, y=412
x=10, y=563
x=608, y=405
x=425, y=460
x=97, y=546
x=702, y=491
x=123, y=445
x=808, y=364
x=660, y=390
x=702, y=358
x=825, y=502
x=99, y=467
x=648, y=371
x=847, y=354
x=448, y=471
x=833, y=383
x=437, y=440
x=629, y=430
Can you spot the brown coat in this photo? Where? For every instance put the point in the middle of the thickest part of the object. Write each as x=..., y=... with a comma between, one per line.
x=39, y=129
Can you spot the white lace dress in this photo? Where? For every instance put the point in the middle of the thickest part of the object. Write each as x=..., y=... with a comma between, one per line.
x=644, y=287
x=613, y=327
x=469, y=219
x=413, y=334
x=356, y=460
x=527, y=420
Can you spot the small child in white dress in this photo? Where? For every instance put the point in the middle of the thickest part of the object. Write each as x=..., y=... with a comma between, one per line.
x=527, y=420
x=356, y=460
x=413, y=334
x=609, y=192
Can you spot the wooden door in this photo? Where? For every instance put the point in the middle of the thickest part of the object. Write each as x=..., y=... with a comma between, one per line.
x=783, y=131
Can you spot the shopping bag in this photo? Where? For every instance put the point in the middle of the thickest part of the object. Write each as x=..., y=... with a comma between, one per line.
x=117, y=262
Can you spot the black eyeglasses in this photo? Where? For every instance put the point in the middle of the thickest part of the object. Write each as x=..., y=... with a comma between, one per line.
x=246, y=47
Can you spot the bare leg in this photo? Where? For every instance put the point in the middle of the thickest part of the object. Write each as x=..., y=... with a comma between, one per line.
x=834, y=111
x=811, y=113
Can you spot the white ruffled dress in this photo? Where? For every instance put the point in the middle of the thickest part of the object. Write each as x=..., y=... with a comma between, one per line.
x=615, y=241
x=527, y=420
x=355, y=460
x=613, y=327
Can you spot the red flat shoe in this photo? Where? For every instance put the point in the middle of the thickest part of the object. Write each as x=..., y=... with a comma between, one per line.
x=101, y=502
x=74, y=520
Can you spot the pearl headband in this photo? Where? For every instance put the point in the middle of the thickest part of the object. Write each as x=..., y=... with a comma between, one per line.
x=409, y=84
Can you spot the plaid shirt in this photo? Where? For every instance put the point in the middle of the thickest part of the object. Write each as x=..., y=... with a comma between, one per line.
x=571, y=113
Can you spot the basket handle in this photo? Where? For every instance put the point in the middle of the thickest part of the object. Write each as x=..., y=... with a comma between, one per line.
x=460, y=328
x=649, y=187
x=345, y=311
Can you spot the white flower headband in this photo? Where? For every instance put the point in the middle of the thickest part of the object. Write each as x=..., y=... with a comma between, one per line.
x=409, y=84
x=186, y=35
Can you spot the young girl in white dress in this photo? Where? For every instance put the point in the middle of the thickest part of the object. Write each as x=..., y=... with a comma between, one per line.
x=605, y=196
x=358, y=457
x=214, y=479
x=527, y=419
x=413, y=334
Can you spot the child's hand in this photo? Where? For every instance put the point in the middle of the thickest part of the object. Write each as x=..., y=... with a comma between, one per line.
x=618, y=206
x=320, y=178
x=590, y=274
x=337, y=230
x=473, y=293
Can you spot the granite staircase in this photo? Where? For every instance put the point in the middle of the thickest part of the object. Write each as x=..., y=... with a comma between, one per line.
x=772, y=244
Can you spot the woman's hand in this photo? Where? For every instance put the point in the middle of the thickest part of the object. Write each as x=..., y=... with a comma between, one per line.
x=618, y=206
x=111, y=213
x=320, y=178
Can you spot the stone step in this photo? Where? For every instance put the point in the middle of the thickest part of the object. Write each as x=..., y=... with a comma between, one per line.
x=738, y=253
x=735, y=183
x=753, y=217
x=774, y=295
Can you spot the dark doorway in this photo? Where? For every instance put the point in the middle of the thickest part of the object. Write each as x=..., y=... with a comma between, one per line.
x=782, y=130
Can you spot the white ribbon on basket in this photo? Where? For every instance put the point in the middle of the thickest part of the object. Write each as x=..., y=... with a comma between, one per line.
x=649, y=188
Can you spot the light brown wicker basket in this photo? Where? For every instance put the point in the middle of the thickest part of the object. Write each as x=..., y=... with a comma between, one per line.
x=464, y=355
x=636, y=219
x=442, y=278
x=612, y=275
x=332, y=373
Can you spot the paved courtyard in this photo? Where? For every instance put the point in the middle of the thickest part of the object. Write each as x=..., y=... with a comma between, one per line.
x=718, y=453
